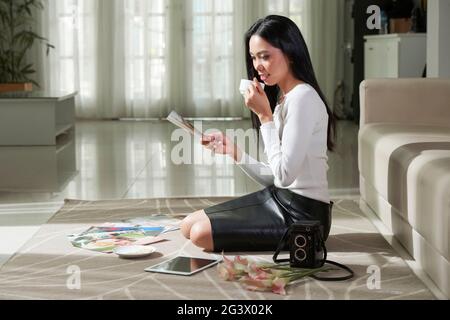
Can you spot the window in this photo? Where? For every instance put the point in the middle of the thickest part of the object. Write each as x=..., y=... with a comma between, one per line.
x=75, y=25
x=139, y=58
x=291, y=8
x=212, y=46
x=145, y=53
x=66, y=25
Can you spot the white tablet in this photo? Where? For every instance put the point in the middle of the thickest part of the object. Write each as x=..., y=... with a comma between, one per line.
x=181, y=265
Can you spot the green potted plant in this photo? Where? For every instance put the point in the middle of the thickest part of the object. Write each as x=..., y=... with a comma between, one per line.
x=16, y=39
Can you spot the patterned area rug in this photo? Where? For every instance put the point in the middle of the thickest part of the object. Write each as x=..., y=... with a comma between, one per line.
x=42, y=269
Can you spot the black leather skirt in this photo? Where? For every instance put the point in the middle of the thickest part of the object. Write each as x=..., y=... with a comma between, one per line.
x=257, y=221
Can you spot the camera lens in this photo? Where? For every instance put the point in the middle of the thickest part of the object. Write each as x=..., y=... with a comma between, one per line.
x=300, y=241
x=300, y=254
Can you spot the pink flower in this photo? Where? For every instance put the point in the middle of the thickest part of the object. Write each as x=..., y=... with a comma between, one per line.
x=261, y=276
x=232, y=270
x=275, y=285
x=256, y=284
x=227, y=261
x=257, y=273
x=278, y=285
x=240, y=260
x=225, y=272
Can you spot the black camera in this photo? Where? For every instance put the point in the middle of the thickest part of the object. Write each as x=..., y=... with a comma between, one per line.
x=306, y=245
x=307, y=249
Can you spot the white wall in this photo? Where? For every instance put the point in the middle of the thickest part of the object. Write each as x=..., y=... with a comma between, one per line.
x=438, y=39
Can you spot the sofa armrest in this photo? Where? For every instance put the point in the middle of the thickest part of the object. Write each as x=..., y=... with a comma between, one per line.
x=414, y=101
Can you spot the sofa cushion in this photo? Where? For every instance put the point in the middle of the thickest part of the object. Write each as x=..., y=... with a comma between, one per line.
x=429, y=198
x=383, y=145
x=417, y=160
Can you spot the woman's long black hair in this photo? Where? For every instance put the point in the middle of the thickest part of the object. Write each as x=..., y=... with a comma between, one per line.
x=283, y=33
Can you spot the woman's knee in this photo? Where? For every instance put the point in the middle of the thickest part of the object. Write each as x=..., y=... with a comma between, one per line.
x=201, y=235
x=190, y=220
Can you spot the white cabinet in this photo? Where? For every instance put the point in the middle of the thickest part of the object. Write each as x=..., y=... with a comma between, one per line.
x=35, y=118
x=400, y=55
x=38, y=168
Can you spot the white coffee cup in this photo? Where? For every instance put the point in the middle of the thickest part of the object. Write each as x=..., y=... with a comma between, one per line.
x=245, y=83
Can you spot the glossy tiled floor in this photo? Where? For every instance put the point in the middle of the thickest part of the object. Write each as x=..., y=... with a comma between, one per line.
x=128, y=159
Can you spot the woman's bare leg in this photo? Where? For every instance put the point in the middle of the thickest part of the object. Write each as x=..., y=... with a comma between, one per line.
x=197, y=227
x=201, y=234
x=190, y=220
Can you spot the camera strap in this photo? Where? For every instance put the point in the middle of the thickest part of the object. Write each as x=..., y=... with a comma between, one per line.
x=282, y=243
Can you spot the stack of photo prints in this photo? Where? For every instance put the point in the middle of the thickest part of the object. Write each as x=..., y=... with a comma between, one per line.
x=138, y=231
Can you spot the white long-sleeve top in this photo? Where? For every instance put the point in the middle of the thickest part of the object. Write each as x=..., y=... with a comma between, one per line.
x=295, y=143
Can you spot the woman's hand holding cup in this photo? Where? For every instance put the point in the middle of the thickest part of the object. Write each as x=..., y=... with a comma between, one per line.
x=256, y=99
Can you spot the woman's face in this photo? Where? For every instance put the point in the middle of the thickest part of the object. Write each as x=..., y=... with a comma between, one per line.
x=271, y=63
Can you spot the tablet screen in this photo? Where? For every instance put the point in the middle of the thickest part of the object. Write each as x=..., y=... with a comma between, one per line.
x=183, y=265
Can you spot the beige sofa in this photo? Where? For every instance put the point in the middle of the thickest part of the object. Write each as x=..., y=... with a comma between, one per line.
x=404, y=166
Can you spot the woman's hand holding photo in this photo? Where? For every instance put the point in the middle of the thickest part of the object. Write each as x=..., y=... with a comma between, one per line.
x=219, y=143
x=256, y=100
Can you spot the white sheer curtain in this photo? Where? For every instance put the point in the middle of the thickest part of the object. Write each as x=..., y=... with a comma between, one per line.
x=71, y=26
x=143, y=58
x=323, y=29
x=111, y=51
x=322, y=25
